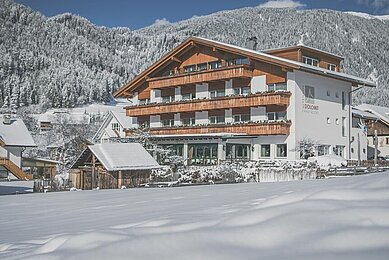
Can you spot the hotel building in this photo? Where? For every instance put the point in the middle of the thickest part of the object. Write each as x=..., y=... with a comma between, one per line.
x=211, y=101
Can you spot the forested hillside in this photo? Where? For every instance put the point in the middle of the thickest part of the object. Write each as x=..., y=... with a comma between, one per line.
x=65, y=61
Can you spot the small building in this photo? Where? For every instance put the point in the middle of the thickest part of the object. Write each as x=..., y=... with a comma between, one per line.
x=114, y=126
x=111, y=166
x=14, y=139
x=381, y=125
x=359, y=149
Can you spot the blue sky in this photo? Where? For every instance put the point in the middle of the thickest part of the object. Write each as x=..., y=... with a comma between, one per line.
x=140, y=13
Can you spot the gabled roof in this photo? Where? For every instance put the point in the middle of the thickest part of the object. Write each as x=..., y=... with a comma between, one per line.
x=123, y=156
x=381, y=112
x=124, y=121
x=15, y=133
x=255, y=55
x=364, y=114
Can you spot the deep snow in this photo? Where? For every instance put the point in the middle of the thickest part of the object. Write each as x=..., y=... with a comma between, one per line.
x=338, y=218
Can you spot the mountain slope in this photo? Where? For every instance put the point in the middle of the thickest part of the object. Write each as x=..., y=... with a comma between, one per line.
x=64, y=61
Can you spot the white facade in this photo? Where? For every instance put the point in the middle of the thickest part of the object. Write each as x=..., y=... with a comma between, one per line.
x=114, y=125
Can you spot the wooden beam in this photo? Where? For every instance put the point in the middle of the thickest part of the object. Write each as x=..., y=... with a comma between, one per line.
x=176, y=59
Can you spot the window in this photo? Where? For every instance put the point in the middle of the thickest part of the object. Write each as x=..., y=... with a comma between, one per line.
x=115, y=127
x=272, y=116
x=277, y=87
x=241, y=118
x=282, y=150
x=190, y=68
x=343, y=126
x=328, y=93
x=202, y=66
x=265, y=150
x=337, y=121
x=339, y=150
x=337, y=94
x=242, y=91
x=343, y=100
x=328, y=120
x=216, y=119
x=310, y=61
x=167, y=99
x=387, y=140
x=323, y=150
x=188, y=121
x=218, y=93
x=331, y=67
x=352, y=150
x=202, y=154
x=238, y=151
x=364, y=150
x=144, y=101
x=215, y=64
x=188, y=96
x=167, y=122
x=309, y=94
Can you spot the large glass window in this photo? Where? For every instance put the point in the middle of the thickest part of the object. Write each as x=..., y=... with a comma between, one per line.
x=242, y=91
x=323, y=150
x=202, y=154
x=339, y=150
x=265, y=150
x=274, y=116
x=167, y=122
x=202, y=66
x=144, y=101
x=282, y=150
x=343, y=100
x=277, y=87
x=238, y=151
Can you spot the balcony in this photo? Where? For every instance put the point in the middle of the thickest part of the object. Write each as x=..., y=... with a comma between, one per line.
x=253, y=100
x=197, y=77
x=251, y=128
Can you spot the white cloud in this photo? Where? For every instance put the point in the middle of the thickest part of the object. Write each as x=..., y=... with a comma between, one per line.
x=377, y=5
x=282, y=4
x=162, y=21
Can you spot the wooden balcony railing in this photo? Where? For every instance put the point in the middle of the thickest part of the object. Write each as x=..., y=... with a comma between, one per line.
x=261, y=99
x=223, y=73
x=252, y=128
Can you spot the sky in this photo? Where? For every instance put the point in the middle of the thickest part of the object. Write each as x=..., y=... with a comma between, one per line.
x=136, y=14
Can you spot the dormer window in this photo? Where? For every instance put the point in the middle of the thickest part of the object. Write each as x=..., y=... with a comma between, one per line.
x=331, y=67
x=310, y=61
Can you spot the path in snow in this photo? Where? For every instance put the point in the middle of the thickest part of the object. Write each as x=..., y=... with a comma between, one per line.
x=340, y=218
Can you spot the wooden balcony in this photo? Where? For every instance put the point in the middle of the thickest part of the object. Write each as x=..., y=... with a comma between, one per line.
x=223, y=73
x=267, y=128
x=261, y=99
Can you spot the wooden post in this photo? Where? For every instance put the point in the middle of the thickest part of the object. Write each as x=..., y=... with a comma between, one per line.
x=93, y=170
x=120, y=179
x=375, y=147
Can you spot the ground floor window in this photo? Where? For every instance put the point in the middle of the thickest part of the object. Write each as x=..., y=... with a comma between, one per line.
x=282, y=151
x=323, y=150
x=202, y=154
x=238, y=151
x=265, y=150
x=175, y=149
x=339, y=150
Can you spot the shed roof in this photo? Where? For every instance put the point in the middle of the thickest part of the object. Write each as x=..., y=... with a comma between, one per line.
x=15, y=133
x=381, y=112
x=123, y=156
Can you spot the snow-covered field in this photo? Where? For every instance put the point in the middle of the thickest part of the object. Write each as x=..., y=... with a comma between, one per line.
x=339, y=218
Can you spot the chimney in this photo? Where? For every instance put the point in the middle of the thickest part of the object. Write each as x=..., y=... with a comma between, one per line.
x=252, y=43
x=7, y=119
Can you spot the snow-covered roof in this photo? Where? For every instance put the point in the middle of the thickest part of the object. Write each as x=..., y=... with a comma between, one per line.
x=381, y=112
x=364, y=114
x=72, y=118
x=15, y=133
x=123, y=156
x=303, y=66
x=303, y=46
x=120, y=116
x=124, y=121
x=201, y=135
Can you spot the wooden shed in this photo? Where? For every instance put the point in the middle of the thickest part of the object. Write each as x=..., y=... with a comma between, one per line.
x=112, y=166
